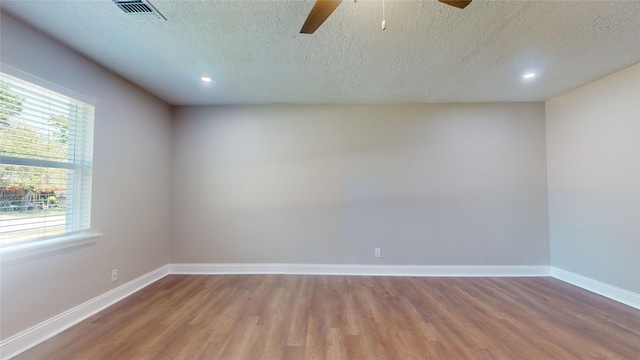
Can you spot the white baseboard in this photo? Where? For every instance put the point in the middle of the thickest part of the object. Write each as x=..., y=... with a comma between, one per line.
x=31, y=337
x=368, y=270
x=609, y=291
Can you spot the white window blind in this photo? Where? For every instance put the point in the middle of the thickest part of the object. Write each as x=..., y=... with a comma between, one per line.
x=46, y=154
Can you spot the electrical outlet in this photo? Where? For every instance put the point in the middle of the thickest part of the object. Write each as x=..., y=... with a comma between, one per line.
x=114, y=274
x=377, y=252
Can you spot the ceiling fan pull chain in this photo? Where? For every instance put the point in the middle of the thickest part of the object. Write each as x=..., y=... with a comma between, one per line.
x=384, y=22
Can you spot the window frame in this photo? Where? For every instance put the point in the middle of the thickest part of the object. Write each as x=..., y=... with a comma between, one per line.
x=68, y=239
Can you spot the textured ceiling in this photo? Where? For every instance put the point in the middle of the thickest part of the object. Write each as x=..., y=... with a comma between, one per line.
x=430, y=52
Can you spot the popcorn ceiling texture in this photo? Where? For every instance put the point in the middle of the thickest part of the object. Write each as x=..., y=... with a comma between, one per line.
x=429, y=53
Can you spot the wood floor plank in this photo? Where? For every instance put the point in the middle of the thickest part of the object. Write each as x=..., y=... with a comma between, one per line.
x=269, y=317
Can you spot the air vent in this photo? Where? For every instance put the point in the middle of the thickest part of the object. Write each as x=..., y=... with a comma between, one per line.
x=139, y=9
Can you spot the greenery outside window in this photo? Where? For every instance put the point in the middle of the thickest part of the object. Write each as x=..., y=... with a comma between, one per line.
x=46, y=155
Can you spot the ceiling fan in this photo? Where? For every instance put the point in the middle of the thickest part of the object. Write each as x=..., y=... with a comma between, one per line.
x=323, y=8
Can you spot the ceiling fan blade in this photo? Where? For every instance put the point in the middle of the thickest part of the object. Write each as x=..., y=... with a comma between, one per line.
x=320, y=12
x=459, y=4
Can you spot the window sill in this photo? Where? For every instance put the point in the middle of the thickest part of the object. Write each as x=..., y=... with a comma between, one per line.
x=44, y=246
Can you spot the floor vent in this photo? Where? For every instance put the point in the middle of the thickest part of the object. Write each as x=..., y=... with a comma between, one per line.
x=139, y=9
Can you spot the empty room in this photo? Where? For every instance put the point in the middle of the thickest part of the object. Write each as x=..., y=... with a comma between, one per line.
x=319, y=179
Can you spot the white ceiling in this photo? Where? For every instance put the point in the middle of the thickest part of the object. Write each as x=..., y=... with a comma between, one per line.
x=430, y=52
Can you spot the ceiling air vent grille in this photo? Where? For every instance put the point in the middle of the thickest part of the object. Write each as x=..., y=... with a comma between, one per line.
x=139, y=9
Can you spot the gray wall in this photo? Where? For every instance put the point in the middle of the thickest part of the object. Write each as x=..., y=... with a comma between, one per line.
x=131, y=180
x=593, y=148
x=430, y=184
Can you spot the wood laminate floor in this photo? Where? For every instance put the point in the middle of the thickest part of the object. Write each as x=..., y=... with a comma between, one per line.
x=352, y=317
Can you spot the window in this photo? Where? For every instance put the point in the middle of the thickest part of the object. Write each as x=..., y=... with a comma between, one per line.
x=46, y=154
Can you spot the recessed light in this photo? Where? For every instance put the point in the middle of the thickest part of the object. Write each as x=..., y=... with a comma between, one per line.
x=529, y=75
x=205, y=79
